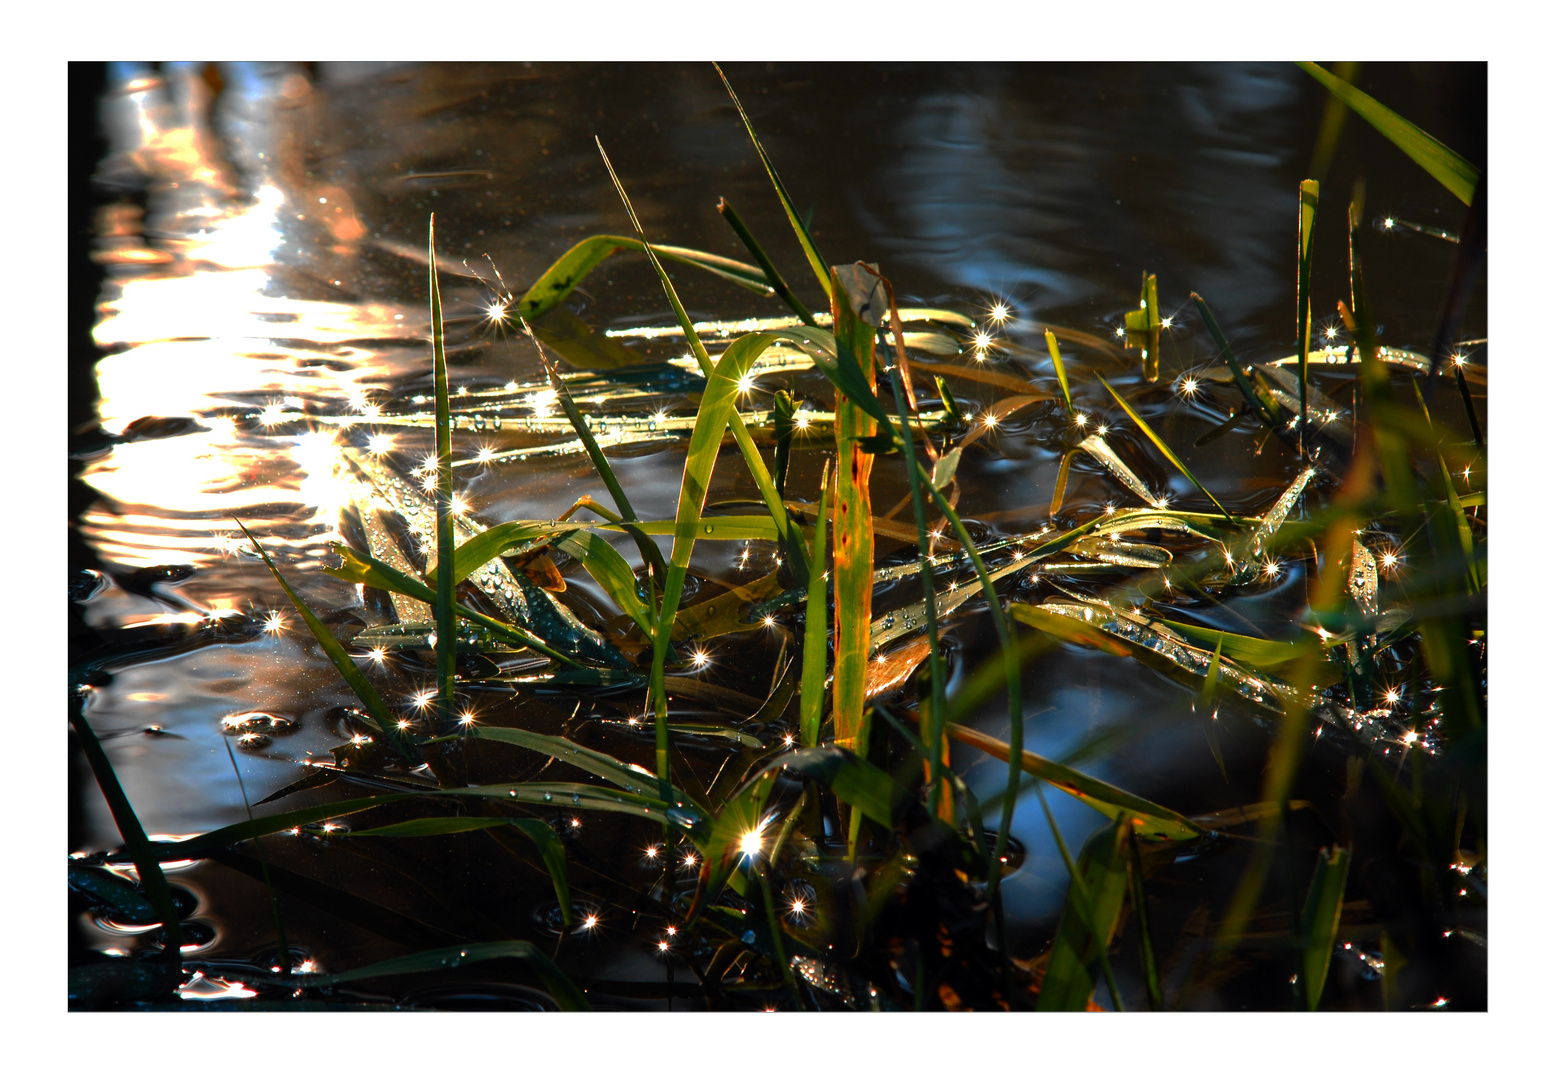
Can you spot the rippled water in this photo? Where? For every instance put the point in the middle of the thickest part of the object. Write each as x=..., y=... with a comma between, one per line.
x=261, y=234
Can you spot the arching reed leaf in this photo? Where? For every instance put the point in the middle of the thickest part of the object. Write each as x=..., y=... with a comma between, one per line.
x=1441, y=163
x=1088, y=921
x=772, y=275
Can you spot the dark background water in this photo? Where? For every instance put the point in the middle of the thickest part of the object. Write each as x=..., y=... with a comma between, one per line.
x=261, y=225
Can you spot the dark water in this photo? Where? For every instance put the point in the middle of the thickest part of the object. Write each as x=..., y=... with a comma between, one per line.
x=261, y=234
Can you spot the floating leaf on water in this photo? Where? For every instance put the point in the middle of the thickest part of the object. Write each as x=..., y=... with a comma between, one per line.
x=890, y=671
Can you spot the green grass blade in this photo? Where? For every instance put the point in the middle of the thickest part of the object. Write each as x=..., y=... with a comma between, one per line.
x=772, y=275
x=815, y=635
x=1153, y=821
x=561, y=988
x=366, y=570
x=446, y=541
x=1321, y=919
x=815, y=260
x=1088, y=922
x=783, y=410
x=1058, y=494
x=379, y=712
x=609, y=569
x=1055, y=358
x=796, y=553
x=1164, y=448
x=1441, y=163
x=1308, y=205
x=567, y=272
x=631, y=778
x=140, y=849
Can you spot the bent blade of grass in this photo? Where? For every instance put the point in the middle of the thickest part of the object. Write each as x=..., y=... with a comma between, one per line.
x=446, y=540
x=1441, y=163
x=1144, y=929
x=1156, y=822
x=364, y=569
x=809, y=249
x=1321, y=918
x=560, y=987
x=815, y=640
x=1088, y=921
x=1264, y=406
x=1308, y=205
x=379, y=714
x=556, y=283
x=139, y=845
x=772, y=275
x=609, y=569
x=1164, y=448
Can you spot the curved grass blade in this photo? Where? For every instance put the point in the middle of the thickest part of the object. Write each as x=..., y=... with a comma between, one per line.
x=609, y=569
x=1441, y=163
x=556, y=283
x=815, y=640
x=1058, y=495
x=380, y=716
x=815, y=260
x=1163, y=446
x=561, y=988
x=772, y=275
x=550, y=848
x=783, y=411
x=631, y=778
x=1153, y=821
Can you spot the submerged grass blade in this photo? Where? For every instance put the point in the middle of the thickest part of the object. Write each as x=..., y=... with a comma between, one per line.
x=140, y=850
x=376, y=709
x=1441, y=163
x=561, y=988
x=1088, y=922
x=1164, y=447
x=815, y=639
x=1264, y=407
x=815, y=260
x=1321, y=918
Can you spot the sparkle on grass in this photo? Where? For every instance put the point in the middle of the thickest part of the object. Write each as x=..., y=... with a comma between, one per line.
x=660, y=417
x=990, y=419
x=799, y=907
x=769, y=620
x=496, y=311
x=690, y=859
x=1389, y=559
x=651, y=853
x=379, y=444
x=745, y=384
x=662, y=946
x=999, y=312
x=1330, y=333
x=1103, y=430
x=1109, y=508
x=1168, y=322
x=802, y=420
x=590, y=923
x=1163, y=502
x=576, y=823
x=1389, y=223
x=1272, y=569
x=459, y=505
x=1410, y=738
x=1081, y=420
x=428, y=464
x=788, y=738
x=486, y=452
x=1120, y=331
x=700, y=658
x=274, y=623
x=422, y=699
x=1459, y=360
x=1391, y=696
x=1188, y=386
x=752, y=843
x=982, y=340
x=466, y=718
x=673, y=931
x=378, y=655
x=271, y=413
